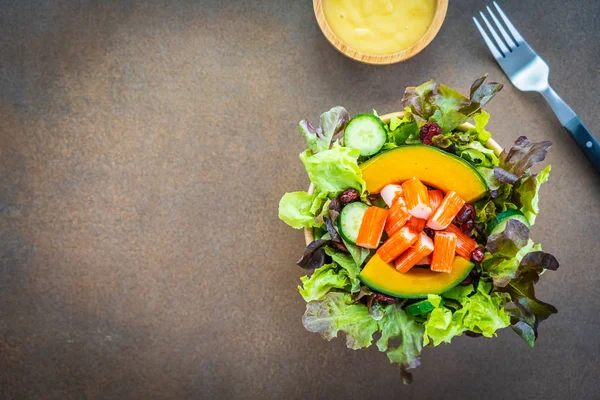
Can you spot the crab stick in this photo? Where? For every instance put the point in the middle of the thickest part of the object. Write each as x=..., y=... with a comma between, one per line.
x=435, y=199
x=397, y=216
x=416, y=224
x=443, y=253
x=371, y=227
x=390, y=192
x=397, y=244
x=423, y=247
x=464, y=244
x=427, y=259
x=443, y=216
x=417, y=198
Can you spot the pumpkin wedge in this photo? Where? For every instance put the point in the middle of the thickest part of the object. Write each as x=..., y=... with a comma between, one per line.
x=416, y=283
x=430, y=165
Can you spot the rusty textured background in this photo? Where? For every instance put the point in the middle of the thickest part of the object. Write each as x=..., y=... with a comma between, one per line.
x=144, y=147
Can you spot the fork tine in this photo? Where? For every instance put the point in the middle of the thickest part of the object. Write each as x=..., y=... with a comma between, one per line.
x=514, y=32
x=490, y=44
x=507, y=39
x=499, y=41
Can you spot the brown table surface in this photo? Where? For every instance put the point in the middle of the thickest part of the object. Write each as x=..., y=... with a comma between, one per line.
x=144, y=147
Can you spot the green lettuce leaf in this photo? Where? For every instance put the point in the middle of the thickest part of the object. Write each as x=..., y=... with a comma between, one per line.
x=526, y=194
x=337, y=313
x=477, y=154
x=394, y=123
x=458, y=292
x=442, y=325
x=318, y=199
x=359, y=254
x=321, y=281
x=481, y=120
x=406, y=130
x=332, y=122
x=334, y=170
x=397, y=325
x=483, y=312
x=294, y=210
x=347, y=263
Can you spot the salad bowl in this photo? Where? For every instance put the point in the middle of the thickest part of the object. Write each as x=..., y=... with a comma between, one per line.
x=417, y=225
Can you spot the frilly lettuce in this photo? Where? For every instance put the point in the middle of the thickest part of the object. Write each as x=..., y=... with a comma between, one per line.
x=397, y=325
x=527, y=194
x=347, y=263
x=481, y=313
x=334, y=170
x=338, y=313
x=442, y=325
x=321, y=281
x=332, y=122
x=445, y=106
x=294, y=210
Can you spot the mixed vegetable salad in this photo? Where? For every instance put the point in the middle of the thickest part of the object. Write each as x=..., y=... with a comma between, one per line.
x=420, y=231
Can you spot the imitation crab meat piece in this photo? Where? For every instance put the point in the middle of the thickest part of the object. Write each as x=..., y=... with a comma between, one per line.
x=417, y=198
x=443, y=216
x=421, y=248
x=371, y=227
x=443, y=253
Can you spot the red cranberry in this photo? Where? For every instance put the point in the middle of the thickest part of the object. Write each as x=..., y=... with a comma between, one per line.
x=428, y=131
x=466, y=213
x=477, y=254
x=349, y=195
x=467, y=227
x=467, y=281
x=429, y=232
x=384, y=298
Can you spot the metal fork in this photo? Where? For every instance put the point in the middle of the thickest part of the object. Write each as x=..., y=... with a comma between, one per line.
x=529, y=72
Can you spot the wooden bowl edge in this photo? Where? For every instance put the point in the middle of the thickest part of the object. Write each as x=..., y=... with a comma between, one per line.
x=420, y=45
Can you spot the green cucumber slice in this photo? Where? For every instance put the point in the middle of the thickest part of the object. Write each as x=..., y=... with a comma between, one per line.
x=365, y=132
x=499, y=223
x=350, y=219
x=421, y=307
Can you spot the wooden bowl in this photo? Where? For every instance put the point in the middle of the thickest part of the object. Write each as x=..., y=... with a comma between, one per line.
x=436, y=24
x=309, y=236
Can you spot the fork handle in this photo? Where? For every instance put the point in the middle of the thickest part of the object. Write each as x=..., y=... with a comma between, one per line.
x=588, y=143
x=567, y=117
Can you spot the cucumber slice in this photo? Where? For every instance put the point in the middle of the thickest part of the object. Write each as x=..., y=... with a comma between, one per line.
x=421, y=307
x=365, y=132
x=350, y=219
x=499, y=223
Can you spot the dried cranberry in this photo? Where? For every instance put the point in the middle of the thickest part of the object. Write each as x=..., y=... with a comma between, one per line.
x=429, y=232
x=467, y=281
x=467, y=227
x=466, y=213
x=349, y=195
x=428, y=131
x=477, y=254
x=384, y=298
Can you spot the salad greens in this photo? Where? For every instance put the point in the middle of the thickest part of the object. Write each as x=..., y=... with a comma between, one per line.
x=498, y=293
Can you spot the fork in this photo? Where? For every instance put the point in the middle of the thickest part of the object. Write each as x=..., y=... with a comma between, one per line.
x=529, y=72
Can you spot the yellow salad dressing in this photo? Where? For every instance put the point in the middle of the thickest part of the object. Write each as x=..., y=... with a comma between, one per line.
x=379, y=26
